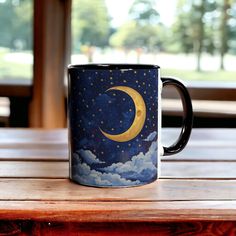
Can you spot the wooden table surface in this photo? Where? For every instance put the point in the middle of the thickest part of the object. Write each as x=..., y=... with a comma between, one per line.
x=195, y=194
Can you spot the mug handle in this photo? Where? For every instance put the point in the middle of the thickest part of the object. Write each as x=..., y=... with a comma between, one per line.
x=187, y=116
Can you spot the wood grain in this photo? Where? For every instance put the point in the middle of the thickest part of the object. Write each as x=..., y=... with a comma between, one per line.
x=32, y=136
x=161, y=190
x=107, y=211
x=39, y=192
x=40, y=167
x=118, y=228
x=47, y=109
x=34, y=153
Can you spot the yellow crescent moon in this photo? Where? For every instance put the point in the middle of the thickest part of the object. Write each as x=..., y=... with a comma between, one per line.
x=139, y=119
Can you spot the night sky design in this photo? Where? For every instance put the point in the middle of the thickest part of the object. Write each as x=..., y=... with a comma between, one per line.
x=95, y=159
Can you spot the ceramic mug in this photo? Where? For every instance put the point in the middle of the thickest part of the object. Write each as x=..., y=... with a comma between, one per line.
x=114, y=123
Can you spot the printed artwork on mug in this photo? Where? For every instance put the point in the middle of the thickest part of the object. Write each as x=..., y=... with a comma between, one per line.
x=114, y=127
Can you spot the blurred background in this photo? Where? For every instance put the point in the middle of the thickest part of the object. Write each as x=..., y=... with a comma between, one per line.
x=194, y=40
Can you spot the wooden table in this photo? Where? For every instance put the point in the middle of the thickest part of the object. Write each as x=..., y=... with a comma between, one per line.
x=196, y=194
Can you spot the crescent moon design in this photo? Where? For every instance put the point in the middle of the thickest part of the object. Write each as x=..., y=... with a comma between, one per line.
x=139, y=119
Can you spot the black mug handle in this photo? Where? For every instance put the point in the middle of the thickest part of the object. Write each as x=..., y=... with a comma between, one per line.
x=187, y=116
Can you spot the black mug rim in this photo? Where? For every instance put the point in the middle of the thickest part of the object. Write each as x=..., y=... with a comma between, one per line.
x=107, y=66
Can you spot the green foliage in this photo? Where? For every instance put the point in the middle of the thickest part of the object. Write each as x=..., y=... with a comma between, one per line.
x=16, y=24
x=133, y=36
x=90, y=23
x=143, y=30
x=144, y=12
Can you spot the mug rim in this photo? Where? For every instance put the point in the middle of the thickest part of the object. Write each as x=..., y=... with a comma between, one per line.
x=112, y=66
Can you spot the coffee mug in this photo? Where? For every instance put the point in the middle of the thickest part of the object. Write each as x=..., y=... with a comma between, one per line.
x=114, y=123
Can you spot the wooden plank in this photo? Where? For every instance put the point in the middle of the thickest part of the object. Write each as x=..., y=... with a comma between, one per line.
x=60, y=169
x=26, y=227
x=205, y=169
x=11, y=87
x=193, y=153
x=29, y=136
x=161, y=190
x=34, y=169
x=169, y=135
x=201, y=108
x=153, y=211
x=201, y=90
x=35, y=153
x=59, y=152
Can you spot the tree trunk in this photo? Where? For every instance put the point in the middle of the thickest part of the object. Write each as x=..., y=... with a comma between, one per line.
x=200, y=36
x=224, y=32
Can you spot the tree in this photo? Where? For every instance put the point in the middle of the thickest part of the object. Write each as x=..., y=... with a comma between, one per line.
x=224, y=30
x=90, y=23
x=144, y=12
x=16, y=24
x=142, y=31
x=194, y=27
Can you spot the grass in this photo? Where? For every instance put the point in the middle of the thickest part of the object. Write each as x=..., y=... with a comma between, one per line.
x=13, y=69
x=226, y=76
x=20, y=70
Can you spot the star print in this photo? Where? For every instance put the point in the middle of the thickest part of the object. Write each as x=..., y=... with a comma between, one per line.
x=97, y=109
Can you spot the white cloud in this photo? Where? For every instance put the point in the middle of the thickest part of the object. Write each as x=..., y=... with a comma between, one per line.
x=139, y=169
x=142, y=166
x=88, y=176
x=88, y=157
x=151, y=136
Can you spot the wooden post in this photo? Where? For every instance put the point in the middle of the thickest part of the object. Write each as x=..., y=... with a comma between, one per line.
x=51, y=41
